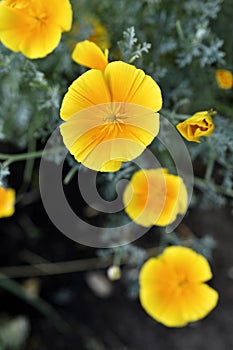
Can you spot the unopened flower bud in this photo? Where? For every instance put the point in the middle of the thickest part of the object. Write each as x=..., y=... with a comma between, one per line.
x=114, y=273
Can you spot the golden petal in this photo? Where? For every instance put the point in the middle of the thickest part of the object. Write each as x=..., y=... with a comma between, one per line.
x=89, y=55
x=129, y=84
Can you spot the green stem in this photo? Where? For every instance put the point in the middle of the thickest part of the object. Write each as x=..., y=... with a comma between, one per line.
x=203, y=183
x=71, y=174
x=117, y=257
x=123, y=173
x=11, y=158
x=173, y=116
x=179, y=30
x=30, y=162
x=61, y=267
x=48, y=269
x=211, y=162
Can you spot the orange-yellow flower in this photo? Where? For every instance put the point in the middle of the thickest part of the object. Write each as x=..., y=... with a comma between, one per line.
x=224, y=78
x=34, y=27
x=110, y=116
x=172, y=288
x=98, y=32
x=88, y=54
x=99, y=35
x=154, y=197
x=7, y=202
x=200, y=124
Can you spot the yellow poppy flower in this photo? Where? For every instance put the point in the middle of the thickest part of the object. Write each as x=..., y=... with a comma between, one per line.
x=99, y=35
x=110, y=116
x=200, y=124
x=34, y=27
x=7, y=202
x=172, y=288
x=224, y=78
x=90, y=55
x=154, y=197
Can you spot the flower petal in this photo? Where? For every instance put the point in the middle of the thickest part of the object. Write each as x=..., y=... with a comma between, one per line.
x=13, y=26
x=191, y=263
x=176, y=201
x=198, y=301
x=88, y=90
x=111, y=166
x=174, y=308
x=60, y=13
x=89, y=55
x=40, y=41
x=7, y=202
x=142, y=203
x=129, y=84
x=163, y=306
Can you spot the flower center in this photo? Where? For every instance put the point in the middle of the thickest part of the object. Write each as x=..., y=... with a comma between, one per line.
x=114, y=119
x=114, y=116
x=181, y=283
x=204, y=128
x=30, y=11
x=111, y=118
x=42, y=18
x=184, y=281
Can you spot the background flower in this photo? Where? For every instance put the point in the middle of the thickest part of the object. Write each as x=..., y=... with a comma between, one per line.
x=200, y=124
x=172, y=288
x=121, y=122
x=154, y=197
x=7, y=202
x=100, y=34
x=224, y=78
x=89, y=27
x=34, y=27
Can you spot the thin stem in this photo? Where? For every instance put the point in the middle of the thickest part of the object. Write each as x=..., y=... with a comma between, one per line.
x=117, y=257
x=21, y=156
x=211, y=162
x=203, y=183
x=179, y=30
x=224, y=164
x=71, y=174
x=173, y=116
x=29, y=165
x=30, y=162
x=44, y=269
x=123, y=173
x=62, y=267
x=11, y=158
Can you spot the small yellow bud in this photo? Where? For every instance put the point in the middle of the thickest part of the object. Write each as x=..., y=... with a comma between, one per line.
x=199, y=125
